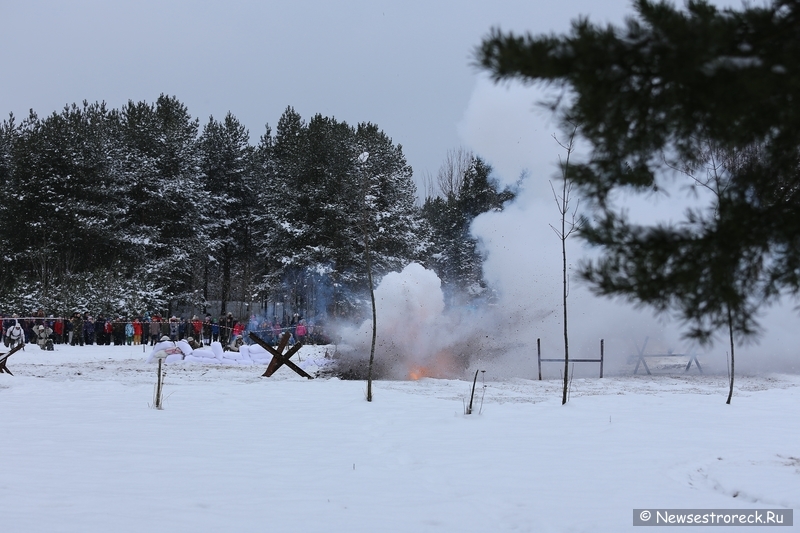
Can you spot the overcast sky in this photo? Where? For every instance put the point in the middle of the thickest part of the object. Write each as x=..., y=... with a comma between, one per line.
x=403, y=65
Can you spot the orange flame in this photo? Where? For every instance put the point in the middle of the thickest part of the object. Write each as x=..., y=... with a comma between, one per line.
x=419, y=372
x=441, y=365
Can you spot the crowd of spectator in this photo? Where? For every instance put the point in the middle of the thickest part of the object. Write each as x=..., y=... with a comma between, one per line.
x=82, y=329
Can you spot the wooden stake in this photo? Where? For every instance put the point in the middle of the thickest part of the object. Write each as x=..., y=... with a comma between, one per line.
x=472, y=396
x=158, y=385
x=602, y=341
x=539, y=356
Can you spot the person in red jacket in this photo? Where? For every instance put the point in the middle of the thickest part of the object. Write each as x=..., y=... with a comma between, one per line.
x=137, y=331
x=58, y=329
x=197, y=327
x=108, y=329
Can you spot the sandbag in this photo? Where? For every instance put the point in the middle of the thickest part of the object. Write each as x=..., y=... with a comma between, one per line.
x=174, y=358
x=216, y=347
x=194, y=358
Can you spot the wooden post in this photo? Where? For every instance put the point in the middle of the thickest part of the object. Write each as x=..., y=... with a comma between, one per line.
x=601, y=357
x=539, y=356
x=472, y=396
x=158, y=385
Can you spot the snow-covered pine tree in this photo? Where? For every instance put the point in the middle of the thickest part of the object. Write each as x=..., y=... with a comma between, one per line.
x=396, y=226
x=227, y=173
x=279, y=160
x=8, y=136
x=63, y=186
x=315, y=238
x=168, y=209
x=266, y=199
x=118, y=209
x=455, y=256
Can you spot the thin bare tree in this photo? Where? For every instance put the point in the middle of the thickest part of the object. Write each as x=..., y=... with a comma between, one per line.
x=429, y=187
x=362, y=159
x=569, y=224
x=713, y=174
x=450, y=177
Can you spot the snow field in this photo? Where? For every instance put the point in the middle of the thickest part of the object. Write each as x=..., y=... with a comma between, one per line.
x=235, y=452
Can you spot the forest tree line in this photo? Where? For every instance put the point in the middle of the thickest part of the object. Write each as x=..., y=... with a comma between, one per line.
x=140, y=208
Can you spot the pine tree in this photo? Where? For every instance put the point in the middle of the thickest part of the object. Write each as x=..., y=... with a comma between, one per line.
x=128, y=210
x=456, y=258
x=9, y=133
x=395, y=221
x=282, y=229
x=227, y=166
x=649, y=96
x=63, y=187
x=268, y=197
x=167, y=211
x=316, y=238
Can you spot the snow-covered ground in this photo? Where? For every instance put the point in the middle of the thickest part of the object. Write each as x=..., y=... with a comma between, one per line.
x=82, y=451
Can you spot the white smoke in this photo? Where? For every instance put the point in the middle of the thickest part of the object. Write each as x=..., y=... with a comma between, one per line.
x=524, y=262
x=524, y=265
x=416, y=335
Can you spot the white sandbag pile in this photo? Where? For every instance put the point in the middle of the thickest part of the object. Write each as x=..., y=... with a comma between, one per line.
x=169, y=351
x=209, y=355
x=314, y=358
x=230, y=357
x=204, y=356
x=178, y=351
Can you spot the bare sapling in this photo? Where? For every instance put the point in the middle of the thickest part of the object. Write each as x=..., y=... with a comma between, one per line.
x=362, y=159
x=374, y=319
x=720, y=167
x=569, y=224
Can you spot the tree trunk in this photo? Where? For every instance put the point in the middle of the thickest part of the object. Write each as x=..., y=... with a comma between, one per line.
x=205, y=285
x=374, y=317
x=226, y=279
x=564, y=299
x=730, y=330
x=563, y=208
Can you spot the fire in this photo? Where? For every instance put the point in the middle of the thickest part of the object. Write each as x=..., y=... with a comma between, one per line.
x=419, y=372
x=441, y=365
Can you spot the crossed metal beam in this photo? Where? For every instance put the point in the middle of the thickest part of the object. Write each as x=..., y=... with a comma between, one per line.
x=278, y=357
